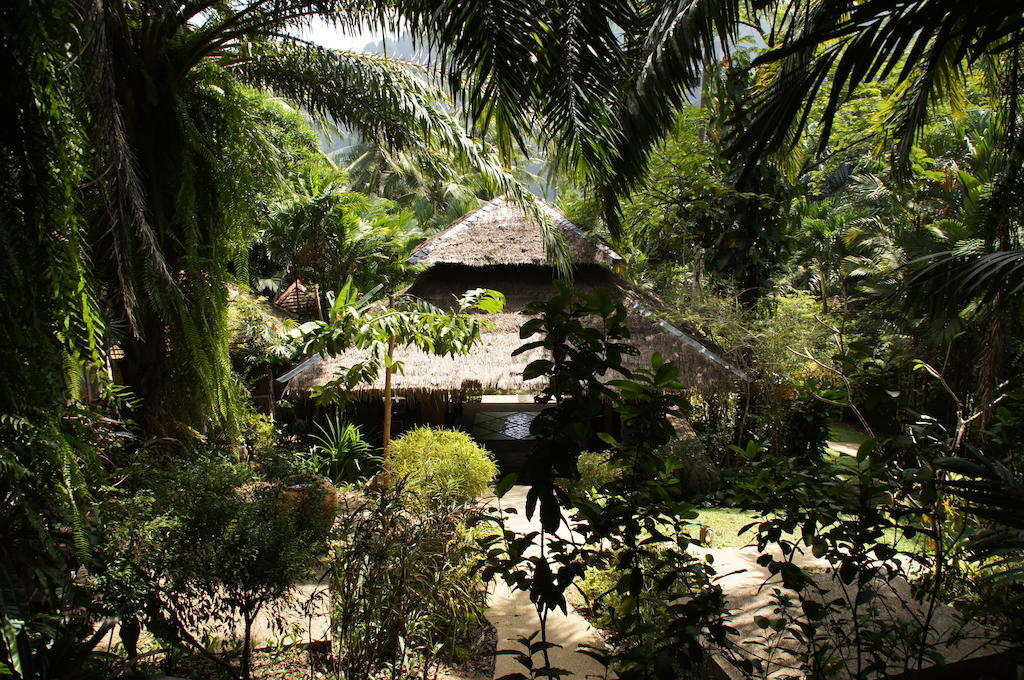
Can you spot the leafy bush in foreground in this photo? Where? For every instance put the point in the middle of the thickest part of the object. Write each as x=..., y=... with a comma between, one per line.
x=204, y=548
x=404, y=587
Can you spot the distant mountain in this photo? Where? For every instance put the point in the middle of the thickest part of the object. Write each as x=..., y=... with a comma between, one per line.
x=398, y=47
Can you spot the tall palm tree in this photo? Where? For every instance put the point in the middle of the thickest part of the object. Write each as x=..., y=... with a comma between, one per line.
x=165, y=93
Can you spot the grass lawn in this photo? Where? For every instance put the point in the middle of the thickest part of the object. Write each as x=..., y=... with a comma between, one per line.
x=726, y=523
x=846, y=434
x=844, y=440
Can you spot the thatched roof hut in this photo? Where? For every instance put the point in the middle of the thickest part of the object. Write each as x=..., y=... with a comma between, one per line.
x=299, y=301
x=498, y=247
x=499, y=233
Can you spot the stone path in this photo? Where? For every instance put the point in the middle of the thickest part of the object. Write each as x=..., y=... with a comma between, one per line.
x=843, y=448
x=750, y=592
x=514, y=616
x=750, y=589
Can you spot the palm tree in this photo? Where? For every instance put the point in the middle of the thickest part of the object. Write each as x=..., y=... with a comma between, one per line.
x=603, y=82
x=815, y=48
x=166, y=95
x=163, y=98
x=424, y=181
x=323, y=233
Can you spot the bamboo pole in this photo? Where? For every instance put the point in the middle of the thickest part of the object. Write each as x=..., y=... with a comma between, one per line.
x=387, y=383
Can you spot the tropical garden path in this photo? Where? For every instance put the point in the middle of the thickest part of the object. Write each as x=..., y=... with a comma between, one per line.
x=751, y=589
x=513, y=615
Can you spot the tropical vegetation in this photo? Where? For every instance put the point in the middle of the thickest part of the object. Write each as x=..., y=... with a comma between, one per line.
x=829, y=193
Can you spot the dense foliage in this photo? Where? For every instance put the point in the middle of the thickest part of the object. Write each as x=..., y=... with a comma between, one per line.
x=405, y=591
x=829, y=192
x=440, y=464
x=198, y=551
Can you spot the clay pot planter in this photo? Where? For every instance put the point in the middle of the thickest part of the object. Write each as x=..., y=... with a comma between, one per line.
x=319, y=494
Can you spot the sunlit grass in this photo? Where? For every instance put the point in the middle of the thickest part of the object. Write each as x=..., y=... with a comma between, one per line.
x=846, y=434
x=726, y=523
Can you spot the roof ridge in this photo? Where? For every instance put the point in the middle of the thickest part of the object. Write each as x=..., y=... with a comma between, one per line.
x=564, y=222
x=631, y=298
x=572, y=232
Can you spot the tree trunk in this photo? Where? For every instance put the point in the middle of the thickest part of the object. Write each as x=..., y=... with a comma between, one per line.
x=143, y=372
x=246, y=669
x=387, y=393
x=992, y=360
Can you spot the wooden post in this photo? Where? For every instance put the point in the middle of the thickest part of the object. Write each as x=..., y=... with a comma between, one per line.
x=822, y=288
x=270, y=372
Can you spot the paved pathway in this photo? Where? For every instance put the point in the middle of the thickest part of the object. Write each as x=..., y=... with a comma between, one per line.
x=843, y=448
x=514, y=616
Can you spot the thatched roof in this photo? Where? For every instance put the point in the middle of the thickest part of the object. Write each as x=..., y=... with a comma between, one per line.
x=490, y=366
x=298, y=300
x=498, y=247
x=499, y=232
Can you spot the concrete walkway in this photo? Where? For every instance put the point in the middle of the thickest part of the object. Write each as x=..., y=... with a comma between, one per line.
x=750, y=591
x=514, y=616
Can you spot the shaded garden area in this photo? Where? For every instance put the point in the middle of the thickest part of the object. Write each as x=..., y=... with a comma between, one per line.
x=302, y=378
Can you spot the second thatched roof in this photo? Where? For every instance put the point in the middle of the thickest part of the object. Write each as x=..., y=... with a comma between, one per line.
x=490, y=366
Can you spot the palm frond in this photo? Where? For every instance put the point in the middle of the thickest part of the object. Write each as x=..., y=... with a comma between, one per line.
x=381, y=98
x=834, y=46
x=486, y=50
x=124, y=195
x=388, y=104
x=681, y=36
x=553, y=68
x=953, y=278
x=993, y=493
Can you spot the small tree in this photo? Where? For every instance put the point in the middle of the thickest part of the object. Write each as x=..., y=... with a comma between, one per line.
x=205, y=548
x=364, y=321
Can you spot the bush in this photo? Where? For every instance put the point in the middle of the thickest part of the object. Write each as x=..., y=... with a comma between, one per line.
x=340, y=452
x=685, y=582
x=805, y=430
x=441, y=464
x=403, y=584
x=199, y=549
x=595, y=470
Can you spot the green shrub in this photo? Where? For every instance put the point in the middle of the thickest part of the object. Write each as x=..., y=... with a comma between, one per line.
x=202, y=549
x=257, y=431
x=340, y=452
x=595, y=470
x=609, y=606
x=404, y=589
x=441, y=464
